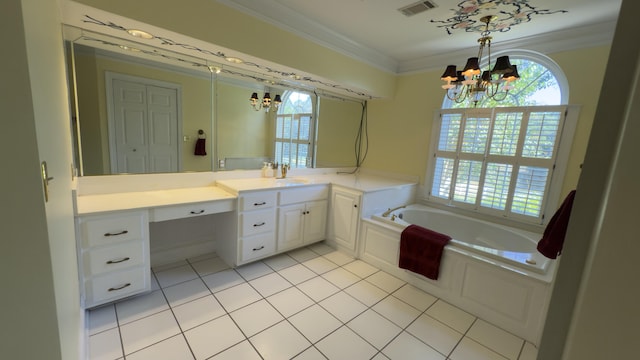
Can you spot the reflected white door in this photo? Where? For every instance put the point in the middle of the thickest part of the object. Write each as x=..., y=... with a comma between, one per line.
x=143, y=127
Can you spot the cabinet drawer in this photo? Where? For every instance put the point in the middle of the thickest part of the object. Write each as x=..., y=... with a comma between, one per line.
x=114, y=258
x=304, y=194
x=256, y=222
x=191, y=210
x=101, y=230
x=257, y=246
x=117, y=285
x=258, y=200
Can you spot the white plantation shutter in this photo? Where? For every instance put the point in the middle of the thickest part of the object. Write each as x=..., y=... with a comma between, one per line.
x=497, y=161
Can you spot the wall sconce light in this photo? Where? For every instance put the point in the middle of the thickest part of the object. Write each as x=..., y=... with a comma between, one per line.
x=266, y=102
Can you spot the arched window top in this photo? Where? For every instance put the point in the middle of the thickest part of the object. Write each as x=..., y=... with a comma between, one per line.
x=542, y=82
x=294, y=102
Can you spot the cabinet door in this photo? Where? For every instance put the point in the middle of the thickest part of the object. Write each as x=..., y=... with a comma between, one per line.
x=344, y=218
x=315, y=221
x=290, y=226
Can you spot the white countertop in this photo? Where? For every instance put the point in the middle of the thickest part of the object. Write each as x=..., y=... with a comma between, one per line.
x=89, y=204
x=225, y=190
x=364, y=183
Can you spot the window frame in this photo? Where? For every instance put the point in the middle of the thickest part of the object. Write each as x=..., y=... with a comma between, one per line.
x=310, y=142
x=553, y=189
x=529, y=55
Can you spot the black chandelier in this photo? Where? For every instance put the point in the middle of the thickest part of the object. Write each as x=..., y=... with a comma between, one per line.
x=474, y=84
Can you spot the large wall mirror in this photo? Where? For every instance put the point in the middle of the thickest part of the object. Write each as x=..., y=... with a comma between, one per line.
x=139, y=109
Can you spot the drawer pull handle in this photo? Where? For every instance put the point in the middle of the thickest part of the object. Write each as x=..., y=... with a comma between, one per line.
x=197, y=212
x=119, y=287
x=110, y=262
x=258, y=248
x=116, y=234
x=260, y=203
x=261, y=224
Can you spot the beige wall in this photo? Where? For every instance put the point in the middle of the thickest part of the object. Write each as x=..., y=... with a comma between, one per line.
x=400, y=128
x=337, y=129
x=399, y=125
x=585, y=80
x=241, y=131
x=596, y=292
x=218, y=24
x=38, y=268
x=25, y=266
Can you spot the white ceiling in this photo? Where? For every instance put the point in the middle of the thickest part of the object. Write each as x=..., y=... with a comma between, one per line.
x=376, y=32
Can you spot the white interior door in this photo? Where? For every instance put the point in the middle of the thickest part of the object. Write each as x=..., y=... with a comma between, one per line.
x=163, y=129
x=144, y=125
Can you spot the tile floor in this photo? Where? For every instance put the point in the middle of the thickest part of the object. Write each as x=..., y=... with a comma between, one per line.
x=311, y=303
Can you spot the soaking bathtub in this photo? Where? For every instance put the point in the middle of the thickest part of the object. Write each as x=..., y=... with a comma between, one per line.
x=492, y=271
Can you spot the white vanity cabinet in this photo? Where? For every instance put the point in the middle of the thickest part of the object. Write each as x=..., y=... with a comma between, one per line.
x=302, y=216
x=113, y=256
x=344, y=218
x=256, y=225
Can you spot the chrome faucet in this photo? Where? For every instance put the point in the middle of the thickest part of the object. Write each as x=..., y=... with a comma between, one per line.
x=284, y=168
x=389, y=211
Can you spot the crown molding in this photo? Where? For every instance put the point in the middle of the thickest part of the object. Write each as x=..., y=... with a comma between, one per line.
x=273, y=13
x=571, y=39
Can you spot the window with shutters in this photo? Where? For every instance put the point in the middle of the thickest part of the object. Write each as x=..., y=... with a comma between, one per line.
x=499, y=161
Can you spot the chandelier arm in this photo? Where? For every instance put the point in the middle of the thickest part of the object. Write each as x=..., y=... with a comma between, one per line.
x=462, y=95
x=500, y=98
x=477, y=87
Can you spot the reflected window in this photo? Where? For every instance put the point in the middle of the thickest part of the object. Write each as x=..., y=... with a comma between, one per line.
x=295, y=126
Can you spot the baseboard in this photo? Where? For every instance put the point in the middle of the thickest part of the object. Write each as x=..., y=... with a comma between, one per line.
x=167, y=256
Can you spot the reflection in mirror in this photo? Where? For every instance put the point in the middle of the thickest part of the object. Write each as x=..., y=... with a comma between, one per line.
x=136, y=117
x=123, y=125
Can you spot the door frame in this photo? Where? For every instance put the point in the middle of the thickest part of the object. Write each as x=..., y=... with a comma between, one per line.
x=109, y=77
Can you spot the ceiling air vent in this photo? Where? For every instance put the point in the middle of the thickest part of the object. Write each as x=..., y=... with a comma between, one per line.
x=417, y=8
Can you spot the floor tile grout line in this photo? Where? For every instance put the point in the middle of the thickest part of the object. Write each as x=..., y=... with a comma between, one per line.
x=227, y=313
x=485, y=345
x=463, y=336
x=521, y=350
x=89, y=334
x=157, y=342
x=115, y=310
x=182, y=332
x=314, y=302
x=145, y=317
x=423, y=312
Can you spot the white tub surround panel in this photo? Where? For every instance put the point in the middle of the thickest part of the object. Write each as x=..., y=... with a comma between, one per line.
x=513, y=297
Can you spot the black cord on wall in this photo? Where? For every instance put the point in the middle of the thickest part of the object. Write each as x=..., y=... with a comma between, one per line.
x=361, y=142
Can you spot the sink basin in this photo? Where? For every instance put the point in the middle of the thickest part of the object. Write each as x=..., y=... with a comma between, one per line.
x=292, y=181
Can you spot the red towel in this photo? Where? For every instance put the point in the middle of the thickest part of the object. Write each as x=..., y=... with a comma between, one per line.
x=421, y=250
x=553, y=237
x=201, y=148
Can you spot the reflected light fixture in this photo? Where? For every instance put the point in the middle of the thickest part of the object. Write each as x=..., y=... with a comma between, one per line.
x=140, y=34
x=266, y=102
x=474, y=84
x=234, y=60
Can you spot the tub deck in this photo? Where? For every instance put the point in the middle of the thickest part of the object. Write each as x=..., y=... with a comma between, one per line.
x=507, y=294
